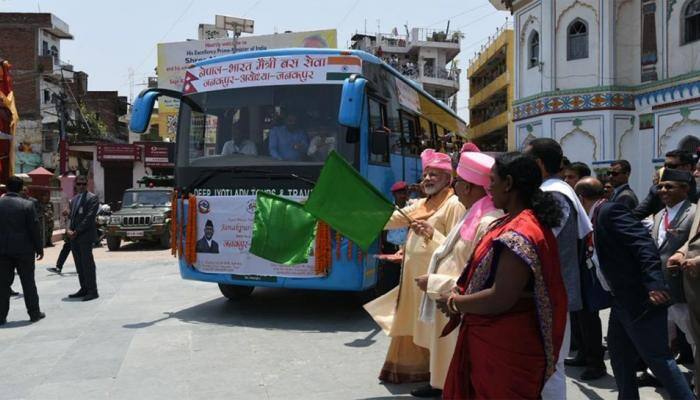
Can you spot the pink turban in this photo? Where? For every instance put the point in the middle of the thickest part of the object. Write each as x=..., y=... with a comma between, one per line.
x=470, y=147
x=475, y=168
x=433, y=159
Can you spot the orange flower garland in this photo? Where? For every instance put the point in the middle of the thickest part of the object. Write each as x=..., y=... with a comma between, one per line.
x=349, y=250
x=191, y=250
x=323, y=248
x=173, y=225
x=338, y=240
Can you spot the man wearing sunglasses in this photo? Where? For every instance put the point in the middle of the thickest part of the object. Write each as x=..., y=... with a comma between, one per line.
x=620, y=172
x=652, y=204
x=82, y=233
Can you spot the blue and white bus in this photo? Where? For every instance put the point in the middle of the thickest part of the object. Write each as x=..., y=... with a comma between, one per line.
x=266, y=120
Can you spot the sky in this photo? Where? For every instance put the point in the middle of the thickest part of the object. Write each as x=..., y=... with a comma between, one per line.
x=112, y=37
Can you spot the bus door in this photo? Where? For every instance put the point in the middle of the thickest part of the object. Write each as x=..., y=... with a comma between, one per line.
x=379, y=166
x=411, y=147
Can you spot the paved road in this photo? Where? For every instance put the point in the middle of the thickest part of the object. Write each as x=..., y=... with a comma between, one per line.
x=152, y=335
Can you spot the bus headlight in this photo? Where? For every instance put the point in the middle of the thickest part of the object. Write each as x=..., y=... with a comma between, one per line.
x=115, y=220
x=158, y=219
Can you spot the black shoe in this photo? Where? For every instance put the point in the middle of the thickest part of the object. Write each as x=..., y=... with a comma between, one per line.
x=646, y=380
x=89, y=297
x=55, y=270
x=37, y=317
x=426, y=391
x=79, y=293
x=575, y=362
x=590, y=374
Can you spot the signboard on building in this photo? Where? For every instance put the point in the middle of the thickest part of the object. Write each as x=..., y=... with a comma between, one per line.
x=118, y=152
x=175, y=58
x=157, y=155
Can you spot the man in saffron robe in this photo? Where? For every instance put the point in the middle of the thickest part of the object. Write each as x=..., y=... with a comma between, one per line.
x=397, y=311
x=449, y=260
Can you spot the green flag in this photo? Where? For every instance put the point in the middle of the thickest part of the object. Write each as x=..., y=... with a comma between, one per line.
x=282, y=231
x=348, y=203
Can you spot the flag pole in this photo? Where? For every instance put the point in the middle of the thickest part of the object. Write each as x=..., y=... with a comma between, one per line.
x=397, y=208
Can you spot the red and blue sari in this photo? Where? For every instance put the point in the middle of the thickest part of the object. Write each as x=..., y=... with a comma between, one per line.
x=510, y=355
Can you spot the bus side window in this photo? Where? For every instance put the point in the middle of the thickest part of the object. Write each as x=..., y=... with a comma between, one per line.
x=378, y=136
x=411, y=139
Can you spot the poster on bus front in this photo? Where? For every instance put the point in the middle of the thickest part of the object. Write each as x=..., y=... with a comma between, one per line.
x=224, y=232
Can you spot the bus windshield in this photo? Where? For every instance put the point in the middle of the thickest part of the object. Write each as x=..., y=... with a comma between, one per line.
x=268, y=125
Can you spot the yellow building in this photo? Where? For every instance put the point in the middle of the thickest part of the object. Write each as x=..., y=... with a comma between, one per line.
x=490, y=76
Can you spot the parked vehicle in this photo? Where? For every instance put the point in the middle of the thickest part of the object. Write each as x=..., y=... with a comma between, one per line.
x=144, y=216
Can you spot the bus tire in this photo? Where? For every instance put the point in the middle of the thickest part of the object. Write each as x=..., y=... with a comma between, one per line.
x=235, y=292
x=113, y=243
x=165, y=238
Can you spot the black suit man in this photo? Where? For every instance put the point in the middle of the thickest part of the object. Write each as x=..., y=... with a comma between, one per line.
x=207, y=244
x=82, y=234
x=20, y=242
x=631, y=269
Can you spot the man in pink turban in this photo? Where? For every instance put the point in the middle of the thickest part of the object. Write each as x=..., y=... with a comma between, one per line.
x=448, y=260
x=397, y=311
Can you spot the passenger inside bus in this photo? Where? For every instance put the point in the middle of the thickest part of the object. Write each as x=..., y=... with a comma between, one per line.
x=239, y=144
x=234, y=124
x=322, y=143
x=289, y=141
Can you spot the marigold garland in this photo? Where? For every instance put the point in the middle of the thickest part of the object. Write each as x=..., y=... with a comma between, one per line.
x=173, y=225
x=191, y=251
x=180, y=227
x=349, y=250
x=360, y=257
x=338, y=239
x=323, y=248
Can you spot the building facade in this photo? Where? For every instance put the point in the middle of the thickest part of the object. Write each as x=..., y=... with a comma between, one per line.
x=608, y=79
x=32, y=44
x=427, y=56
x=491, y=90
x=47, y=88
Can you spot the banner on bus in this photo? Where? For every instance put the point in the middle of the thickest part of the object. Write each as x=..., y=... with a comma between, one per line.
x=305, y=69
x=224, y=233
x=175, y=58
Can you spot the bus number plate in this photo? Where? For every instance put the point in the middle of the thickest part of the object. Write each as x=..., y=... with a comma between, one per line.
x=134, y=233
x=257, y=278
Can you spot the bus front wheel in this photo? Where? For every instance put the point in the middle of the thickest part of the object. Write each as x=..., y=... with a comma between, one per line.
x=235, y=292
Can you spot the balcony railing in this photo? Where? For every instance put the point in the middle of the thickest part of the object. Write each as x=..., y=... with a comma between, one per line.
x=435, y=35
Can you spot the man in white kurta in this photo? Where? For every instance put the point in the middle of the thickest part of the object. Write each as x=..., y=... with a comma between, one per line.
x=448, y=262
x=397, y=311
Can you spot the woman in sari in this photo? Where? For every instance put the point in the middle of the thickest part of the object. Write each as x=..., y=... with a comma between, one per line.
x=510, y=299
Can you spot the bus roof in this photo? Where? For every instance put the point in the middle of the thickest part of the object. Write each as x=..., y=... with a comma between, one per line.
x=305, y=50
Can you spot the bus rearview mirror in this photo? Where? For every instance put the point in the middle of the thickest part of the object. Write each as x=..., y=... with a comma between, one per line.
x=141, y=112
x=142, y=108
x=352, y=101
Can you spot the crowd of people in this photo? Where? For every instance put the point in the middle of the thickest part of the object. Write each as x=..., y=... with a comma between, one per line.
x=24, y=234
x=506, y=263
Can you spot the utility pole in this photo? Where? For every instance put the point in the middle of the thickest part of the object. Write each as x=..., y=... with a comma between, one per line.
x=60, y=101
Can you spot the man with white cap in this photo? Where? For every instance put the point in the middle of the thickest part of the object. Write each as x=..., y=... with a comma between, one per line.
x=449, y=260
x=397, y=311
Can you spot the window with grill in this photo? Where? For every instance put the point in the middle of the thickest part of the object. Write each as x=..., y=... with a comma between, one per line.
x=691, y=22
x=577, y=40
x=534, y=50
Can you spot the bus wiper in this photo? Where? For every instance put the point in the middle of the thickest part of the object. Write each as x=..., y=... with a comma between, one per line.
x=207, y=175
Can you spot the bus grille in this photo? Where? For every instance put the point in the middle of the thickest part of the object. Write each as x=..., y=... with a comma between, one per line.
x=136, y=221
